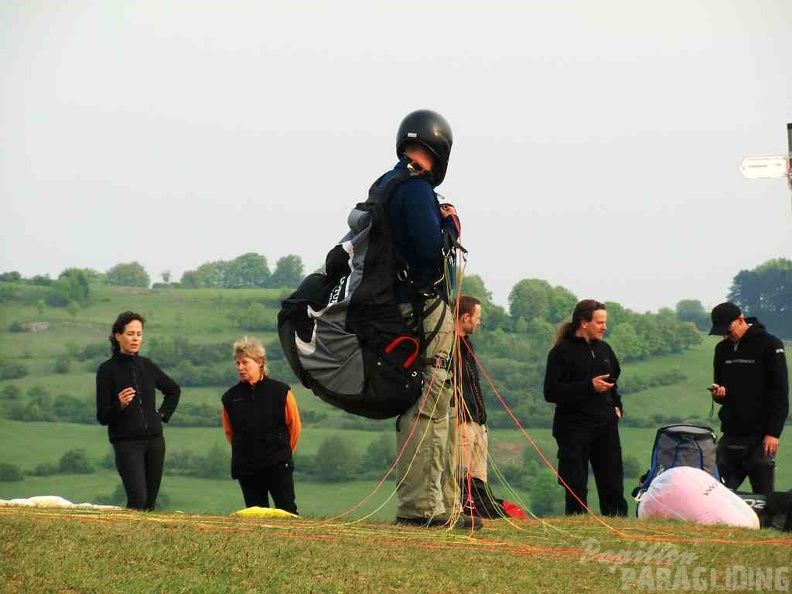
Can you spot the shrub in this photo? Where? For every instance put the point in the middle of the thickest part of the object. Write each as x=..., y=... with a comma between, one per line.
x=62, y=364
x=632, y=466
x=337, y=459
x=10, y=370
x=44, y=469
x=11, y=392
x=197, y=415
x=75, y=462
x=10, y=473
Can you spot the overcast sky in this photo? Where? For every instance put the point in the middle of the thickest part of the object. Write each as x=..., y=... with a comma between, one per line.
x=596, y=144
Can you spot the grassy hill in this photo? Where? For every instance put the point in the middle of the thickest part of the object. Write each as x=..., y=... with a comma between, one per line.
x=89, y=551
x=208, y=316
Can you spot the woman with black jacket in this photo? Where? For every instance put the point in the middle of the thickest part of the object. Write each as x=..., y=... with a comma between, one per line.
x=580, y=379
x=126, y=403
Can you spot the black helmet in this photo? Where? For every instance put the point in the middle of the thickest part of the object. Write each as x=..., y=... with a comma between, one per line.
x=431, y=130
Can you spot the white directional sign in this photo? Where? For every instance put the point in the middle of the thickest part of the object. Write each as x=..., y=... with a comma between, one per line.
x=765, y=166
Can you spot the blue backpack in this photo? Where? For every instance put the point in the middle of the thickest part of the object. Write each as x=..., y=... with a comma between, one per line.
x=680, y=445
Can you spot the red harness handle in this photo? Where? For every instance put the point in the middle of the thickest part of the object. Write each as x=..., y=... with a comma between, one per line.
x=397, y=341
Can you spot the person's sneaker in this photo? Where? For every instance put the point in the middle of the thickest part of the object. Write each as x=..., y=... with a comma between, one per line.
x=462, y=522
x=468, y=522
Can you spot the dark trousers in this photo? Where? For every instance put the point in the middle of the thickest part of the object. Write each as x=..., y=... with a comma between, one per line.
x=740, y=456
x=599, y=445
x=140, y=463
x=277, y=481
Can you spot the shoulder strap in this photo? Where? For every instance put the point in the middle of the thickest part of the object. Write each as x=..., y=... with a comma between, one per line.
x=380, y=193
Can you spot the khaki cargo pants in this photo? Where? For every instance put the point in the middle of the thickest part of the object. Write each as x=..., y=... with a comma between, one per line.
x=425, y=435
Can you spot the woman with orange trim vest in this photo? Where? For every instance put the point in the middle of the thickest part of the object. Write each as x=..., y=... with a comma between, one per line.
x=262, y=424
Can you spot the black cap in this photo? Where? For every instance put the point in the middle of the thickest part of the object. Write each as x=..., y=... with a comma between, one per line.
x=722, y=316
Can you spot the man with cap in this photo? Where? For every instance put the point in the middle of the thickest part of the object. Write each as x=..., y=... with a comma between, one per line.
x=752, y=387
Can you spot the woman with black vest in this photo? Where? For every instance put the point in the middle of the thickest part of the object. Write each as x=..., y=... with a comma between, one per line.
x=262, y=424
x=127, y=403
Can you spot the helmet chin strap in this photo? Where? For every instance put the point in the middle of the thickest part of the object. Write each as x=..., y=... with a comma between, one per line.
x=416, y=168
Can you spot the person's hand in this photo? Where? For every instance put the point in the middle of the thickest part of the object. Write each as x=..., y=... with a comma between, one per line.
x=618, y=413
x=769, y=445
x=717, y=391
x=601, y=383
x=125, y=396
x=446, y=210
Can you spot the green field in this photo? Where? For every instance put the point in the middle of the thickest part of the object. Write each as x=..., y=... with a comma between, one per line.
x=119, y=551
x=201, y=316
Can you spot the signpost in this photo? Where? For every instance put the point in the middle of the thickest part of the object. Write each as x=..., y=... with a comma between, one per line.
x=765, y=166
x=770, y=166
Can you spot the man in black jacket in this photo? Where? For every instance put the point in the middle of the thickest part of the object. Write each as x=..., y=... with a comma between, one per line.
x=472, y=413
x=752, y=387
x=580, y=379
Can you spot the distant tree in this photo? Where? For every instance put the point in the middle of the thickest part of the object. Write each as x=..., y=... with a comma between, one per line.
x=166, y=277
x=288, y=272
x=473, y=285
x=247, y=270
x=562, y=302
x=337, y=459
x=520, y=325
x=617, y=314
x=541, y=333
x=529, y=299
x=129, y=274
x=40, y=280
x=71, y=409
x=492, y=316
x=72, y=285
x=626, y=343
x=380, y=454
x=691, y=310
x=190, y=280
x=41, y=306
x=766, y=293
x=94, y=276
x=10, y=277
x=215, y=464
x=213, y=274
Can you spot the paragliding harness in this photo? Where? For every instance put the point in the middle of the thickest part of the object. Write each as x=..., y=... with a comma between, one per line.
x=343, y=332
x=680, y=445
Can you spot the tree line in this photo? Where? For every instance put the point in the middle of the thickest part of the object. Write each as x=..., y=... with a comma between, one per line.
x=512, y=343
x=764, y=292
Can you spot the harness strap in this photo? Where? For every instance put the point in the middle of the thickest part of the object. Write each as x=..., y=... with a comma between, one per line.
x=439, y=362
x=436, y=330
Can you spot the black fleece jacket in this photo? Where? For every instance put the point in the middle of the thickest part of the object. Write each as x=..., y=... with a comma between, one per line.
x=140, y=418
x=571, y=365
x=754, y=372
x=474, y=410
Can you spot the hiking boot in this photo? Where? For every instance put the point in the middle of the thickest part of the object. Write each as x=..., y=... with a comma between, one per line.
x=462, y=522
